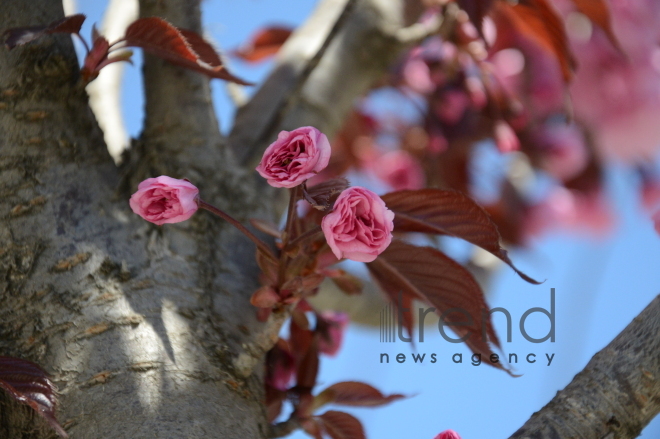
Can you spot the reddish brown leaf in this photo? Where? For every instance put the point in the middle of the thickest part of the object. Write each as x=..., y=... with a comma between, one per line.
x=434, y=278
x=263, y=44
x=268, y=268
x=447, y=212
x=538, y=21
x=300, y=335
x=27, y=383
x=274, y=401
x=312, y=427
x=202, y=48
x=160, y=38
x=96, y=57
x=265, y=297
x=346, y=282
x=340, y=425
x=599, y=13
x=353, y=393
x=308, y=369
x=22, y=35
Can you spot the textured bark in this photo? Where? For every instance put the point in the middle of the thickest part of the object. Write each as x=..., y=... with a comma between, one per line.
x=615, y=396
x=147, y=331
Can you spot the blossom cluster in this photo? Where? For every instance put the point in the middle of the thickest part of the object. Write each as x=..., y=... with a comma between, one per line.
x=358, y=228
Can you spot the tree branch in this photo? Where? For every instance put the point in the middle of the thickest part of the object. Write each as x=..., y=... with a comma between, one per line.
x=615, y=396
x=358, y=41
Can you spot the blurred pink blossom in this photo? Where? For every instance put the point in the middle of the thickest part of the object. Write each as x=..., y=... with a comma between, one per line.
x=448, y=434
x=451, y=105
x=651, y=195
x=416, y=73
x=565, y=153
x=565, y=208
x=334, y=324
x=505, y=138
x=400, y=170
x=618, y=96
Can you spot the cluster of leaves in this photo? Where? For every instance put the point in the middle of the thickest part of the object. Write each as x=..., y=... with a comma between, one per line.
x=299, y=357
x=28, y=384
x=414, y=272
x=154, y=35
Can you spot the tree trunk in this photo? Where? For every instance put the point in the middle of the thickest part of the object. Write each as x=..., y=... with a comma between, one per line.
x=147, y=331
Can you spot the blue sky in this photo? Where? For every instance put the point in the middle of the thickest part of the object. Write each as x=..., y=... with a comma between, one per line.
x=601, y=285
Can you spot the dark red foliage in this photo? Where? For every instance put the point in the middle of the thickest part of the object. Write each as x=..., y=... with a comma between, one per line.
x=447, y=212
x=432, y=277
x=158, y=37
x=27, y=383
x=353, y=393
x=264, y=44
x=536, y=20
x=340, y=425
x=22, y=35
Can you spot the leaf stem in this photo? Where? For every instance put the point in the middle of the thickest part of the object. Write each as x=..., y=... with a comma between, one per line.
x=311, y=233
x=294, y=194
x=234, y=222
x=82, y=40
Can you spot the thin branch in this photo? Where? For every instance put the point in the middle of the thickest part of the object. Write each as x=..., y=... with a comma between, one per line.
x=615, y=396
x=293, y=97
x=285, y=428
x=308, y=235
x=244, y=230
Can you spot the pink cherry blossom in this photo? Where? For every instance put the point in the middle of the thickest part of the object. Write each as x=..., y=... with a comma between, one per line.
x=295, y=157
x=565, y=154
x=617, y=96
x=505, y=137
x=656, y=220
x=569, y=209
x=448, y=434
x=360, y=226
x=164, y=200
x=333, y=334
x=651, y=195
x=400, y=170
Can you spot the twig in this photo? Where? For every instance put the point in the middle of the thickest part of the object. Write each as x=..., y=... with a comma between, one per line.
x=285, y=428
x=231, y=220
x=311, y=233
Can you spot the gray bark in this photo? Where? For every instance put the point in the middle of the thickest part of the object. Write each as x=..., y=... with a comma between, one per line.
x=370, y=39
x=146, y=330
x=615, y=396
